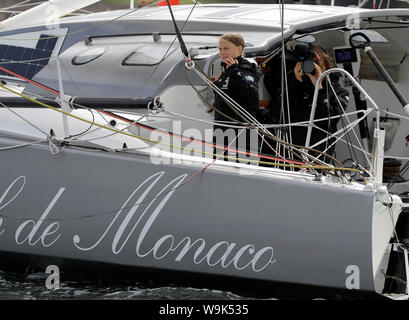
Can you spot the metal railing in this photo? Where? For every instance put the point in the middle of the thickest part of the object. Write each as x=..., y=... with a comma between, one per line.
x=377, y=165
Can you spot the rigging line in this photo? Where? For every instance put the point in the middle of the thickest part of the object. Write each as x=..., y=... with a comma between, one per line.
x=265, y=141
x=352, y=145
x=46, y=88
x=22, y=145
x=347, y=135
x=72, y=80
x=77, y=137
x=114, y=133
x=268, y=133
x=395, y=157
x=30, y=81
x=138, y=113
x=230, y=125
x=263, y=129
x=230, y=102
x=353, y=130
x=164, y=56
x=284, y=80
x=113, y=211
x=8, y=61
x=180, y=39
x=178, y=116
x=394, y=114
x=31, y=124
x=353, y=124
x=100, y=112
x=212, y=107
x=207, y=143
x=150, y=128
x=214, y=160
x=20, y=4
x=385, y=21
x=205, y=78
x=124, y=133
x=404, y=57
x=352, y=152
x=75, y=117
x=339, y=107
x=394, y=228
x=385, y=28
x=224, y=123
x=78, y=89
x=84, y=132
x=349, y=127
x=87, y=216
x=329, y=112
x=77, y=105
x=158, y=142
x=399, y=173
x=239, y=110
x=264, y=125
x=288, y=100
x=11, y=12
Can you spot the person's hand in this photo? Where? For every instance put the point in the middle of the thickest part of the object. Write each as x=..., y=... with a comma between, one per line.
x=229, y=62
x=314, y=78
x=298, y=71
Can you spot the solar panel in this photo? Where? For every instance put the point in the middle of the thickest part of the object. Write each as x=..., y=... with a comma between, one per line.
x=24, y=61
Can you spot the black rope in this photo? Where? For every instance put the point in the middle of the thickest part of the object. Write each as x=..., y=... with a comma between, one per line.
x=164, y=55
x=84, y=132
x=400, y=173
x=179, y=35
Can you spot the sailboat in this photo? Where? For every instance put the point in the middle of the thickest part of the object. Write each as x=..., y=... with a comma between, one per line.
x=107, y=156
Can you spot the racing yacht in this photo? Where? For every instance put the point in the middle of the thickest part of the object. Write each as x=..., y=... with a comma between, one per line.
x=107, y=157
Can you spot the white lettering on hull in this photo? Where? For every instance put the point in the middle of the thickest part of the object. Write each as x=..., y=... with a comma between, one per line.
x=146, y=207
x=3, y=199
x=51, y=229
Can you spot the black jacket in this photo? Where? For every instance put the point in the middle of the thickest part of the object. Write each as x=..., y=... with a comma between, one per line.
x=239, y=82
x=301, y=96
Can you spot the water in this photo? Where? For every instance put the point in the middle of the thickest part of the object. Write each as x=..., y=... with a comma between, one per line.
x=32, y=287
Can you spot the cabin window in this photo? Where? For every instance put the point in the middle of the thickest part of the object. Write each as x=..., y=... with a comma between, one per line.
x=88, y=55
x=148, y=56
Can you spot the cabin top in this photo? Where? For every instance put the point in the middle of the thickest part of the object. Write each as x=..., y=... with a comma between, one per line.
x=267, y=15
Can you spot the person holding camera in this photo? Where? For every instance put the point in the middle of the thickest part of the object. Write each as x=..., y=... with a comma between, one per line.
x=306, y=64
x=332, y=100
x=239, y=81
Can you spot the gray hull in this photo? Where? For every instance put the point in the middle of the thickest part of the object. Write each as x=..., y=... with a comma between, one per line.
x=122, y=209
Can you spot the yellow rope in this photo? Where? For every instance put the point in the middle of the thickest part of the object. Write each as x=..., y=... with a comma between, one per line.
x=174, y=146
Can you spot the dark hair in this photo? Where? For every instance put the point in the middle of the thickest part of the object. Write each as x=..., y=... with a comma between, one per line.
x=323, y=56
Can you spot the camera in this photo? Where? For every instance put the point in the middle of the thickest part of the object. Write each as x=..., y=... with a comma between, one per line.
x=302, y=53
